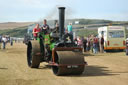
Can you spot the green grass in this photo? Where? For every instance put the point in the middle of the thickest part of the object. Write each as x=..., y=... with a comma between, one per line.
x=20, y=32
x=17, y=32
x=86, y=32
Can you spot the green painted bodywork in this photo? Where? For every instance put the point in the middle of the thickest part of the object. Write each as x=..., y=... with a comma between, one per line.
x=47, y=40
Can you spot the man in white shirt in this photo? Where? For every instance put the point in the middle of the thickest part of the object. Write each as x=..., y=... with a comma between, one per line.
x=0, y=41
x=4, y=40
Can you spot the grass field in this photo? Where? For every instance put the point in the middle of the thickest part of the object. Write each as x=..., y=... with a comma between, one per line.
x=13, y=25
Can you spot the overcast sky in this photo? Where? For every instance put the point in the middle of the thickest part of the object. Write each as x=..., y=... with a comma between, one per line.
x=35, y=10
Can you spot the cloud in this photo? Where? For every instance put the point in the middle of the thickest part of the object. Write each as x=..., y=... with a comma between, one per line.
x=36, y=3
x=36, y=9
x=46, y=3
x=112, y=16
x=27, y=3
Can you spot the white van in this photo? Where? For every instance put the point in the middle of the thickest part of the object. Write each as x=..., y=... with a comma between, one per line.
x=114, y=37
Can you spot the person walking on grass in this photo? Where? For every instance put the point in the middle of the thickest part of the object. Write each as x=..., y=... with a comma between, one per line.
x=84, y=44
x=0, y=43
x=95, y=45
x=11, y=42
x=102, y=44
x=4, y=40
x=91, y=42
x=80, y=42
x=88, y=44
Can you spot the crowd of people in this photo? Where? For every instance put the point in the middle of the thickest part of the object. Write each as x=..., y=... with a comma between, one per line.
x=91, y=43
x=4, y=40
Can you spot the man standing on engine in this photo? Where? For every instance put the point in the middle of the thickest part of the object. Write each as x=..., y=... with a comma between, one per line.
x=69, y=31
x=36, y=30
x=45, y=30
x=45, y=27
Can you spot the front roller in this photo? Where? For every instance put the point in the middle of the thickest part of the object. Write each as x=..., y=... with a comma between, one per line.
x=68, y=62
x=33, y=54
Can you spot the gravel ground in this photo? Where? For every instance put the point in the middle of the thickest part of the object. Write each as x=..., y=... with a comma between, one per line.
x=103, y=69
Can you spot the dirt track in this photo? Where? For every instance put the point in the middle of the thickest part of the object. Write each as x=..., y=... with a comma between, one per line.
x=102, y=69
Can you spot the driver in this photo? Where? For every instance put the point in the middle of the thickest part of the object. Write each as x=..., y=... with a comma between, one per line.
x=45, y=27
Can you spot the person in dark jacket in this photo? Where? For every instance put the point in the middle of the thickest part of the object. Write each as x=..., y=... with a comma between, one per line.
x=45, y=27
x=56, y=29
x=126, y=46
x=85, y=44
x=101, y=44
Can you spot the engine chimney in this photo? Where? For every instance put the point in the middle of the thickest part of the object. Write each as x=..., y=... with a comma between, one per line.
x=61, y=21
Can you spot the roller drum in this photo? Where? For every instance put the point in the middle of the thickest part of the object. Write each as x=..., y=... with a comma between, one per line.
x=69, y=63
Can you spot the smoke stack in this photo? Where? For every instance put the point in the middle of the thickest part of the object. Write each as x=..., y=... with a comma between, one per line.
x=61, y=21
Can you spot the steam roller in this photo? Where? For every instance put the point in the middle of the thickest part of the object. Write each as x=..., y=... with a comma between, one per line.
x=57, y=49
